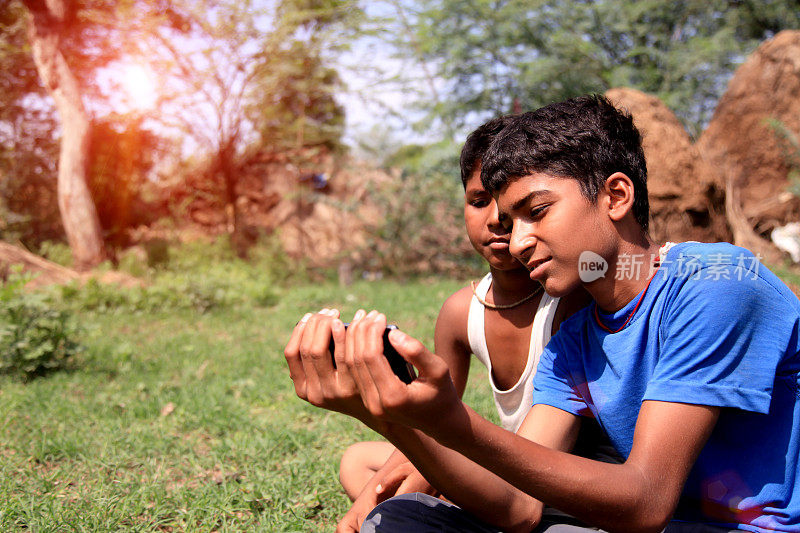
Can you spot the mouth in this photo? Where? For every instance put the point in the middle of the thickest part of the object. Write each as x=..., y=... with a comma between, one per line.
x=536, y=267
x=498, y=244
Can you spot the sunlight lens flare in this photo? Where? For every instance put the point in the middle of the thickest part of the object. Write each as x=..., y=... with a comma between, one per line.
x=139, y=85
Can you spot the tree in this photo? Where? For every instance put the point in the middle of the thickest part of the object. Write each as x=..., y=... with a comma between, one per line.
x=28, y=151
x=236, y=85
x=502, y=56
x=122, y=152
x=234, y=77
x=70, y=41
x=49, y=25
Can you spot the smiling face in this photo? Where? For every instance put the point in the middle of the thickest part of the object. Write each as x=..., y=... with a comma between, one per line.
x=487, y=235
x=551, y=224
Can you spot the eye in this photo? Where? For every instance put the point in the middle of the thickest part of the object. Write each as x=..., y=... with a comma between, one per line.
x=539, y=211
x=479, y=201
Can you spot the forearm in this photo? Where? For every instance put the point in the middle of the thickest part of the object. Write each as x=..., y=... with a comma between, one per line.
x=616, y=497
x=395, y=460
x=466, y=483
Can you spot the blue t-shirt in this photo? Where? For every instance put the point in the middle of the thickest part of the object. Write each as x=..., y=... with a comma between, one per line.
x=715, y=327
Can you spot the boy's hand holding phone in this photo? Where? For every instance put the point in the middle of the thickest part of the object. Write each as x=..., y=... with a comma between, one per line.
x=401, y=368
x=359, y=379
x=316, y=379
x=428, y=403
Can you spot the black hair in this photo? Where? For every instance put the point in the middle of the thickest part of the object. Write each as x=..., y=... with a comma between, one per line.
x=477, y=143
x=584, y=138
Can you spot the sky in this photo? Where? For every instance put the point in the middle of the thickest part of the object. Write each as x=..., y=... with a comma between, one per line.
x=378, y=88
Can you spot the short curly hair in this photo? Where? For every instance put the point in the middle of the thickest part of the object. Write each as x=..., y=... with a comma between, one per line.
x=584, y=138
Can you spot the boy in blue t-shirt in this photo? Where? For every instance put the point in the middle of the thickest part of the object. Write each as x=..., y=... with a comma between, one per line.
x=688, y=359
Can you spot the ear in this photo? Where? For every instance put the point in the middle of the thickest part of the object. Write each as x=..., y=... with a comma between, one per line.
x=620, y=193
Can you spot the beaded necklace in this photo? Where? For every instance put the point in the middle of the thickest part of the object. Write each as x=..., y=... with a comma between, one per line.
x=503, y=306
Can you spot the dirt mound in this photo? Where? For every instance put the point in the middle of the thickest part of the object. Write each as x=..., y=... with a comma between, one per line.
x=317, y=204
x=740, y=141
x=686, y=202
x=326, y=220
x=49, y=273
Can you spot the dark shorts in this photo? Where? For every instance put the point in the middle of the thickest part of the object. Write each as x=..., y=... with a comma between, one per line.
x=421, y=513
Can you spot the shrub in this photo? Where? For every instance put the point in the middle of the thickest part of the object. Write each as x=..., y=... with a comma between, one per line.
x=197, y=276
x=422, y=230
x=35, y=338
x=57, y=252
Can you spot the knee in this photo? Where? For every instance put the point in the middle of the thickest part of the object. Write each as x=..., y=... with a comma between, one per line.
x=354, y=469
x=352, y=461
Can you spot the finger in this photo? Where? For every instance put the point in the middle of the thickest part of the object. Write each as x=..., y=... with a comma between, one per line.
x=329, y=312
x=351, y=347
x=429, y=366
x=349, y=343
x=386, y=382
x=292, y=354
x=309, y=351
x=343, y=375
x=391, y=482
x=410, y=484
x=366, y=386
x=319, y=350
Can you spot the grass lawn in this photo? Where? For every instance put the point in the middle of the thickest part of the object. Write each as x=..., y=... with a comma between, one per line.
x=179, y=414
x=177, y=420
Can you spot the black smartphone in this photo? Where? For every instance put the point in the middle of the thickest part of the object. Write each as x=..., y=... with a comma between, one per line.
x=401, y=368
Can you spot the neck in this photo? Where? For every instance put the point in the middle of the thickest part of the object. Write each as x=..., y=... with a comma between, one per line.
x=512, y=284
x=629, y=271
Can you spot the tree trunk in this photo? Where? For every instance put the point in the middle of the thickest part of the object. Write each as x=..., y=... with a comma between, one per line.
x=230, y=174
x=78, y=212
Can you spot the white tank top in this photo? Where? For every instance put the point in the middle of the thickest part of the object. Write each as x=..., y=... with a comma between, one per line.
x=512, y=404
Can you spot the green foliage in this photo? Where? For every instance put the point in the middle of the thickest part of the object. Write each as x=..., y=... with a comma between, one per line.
x=498, y=57
x=35, y=337
x=422, y=229
x=57, y=252
x=297, y=107
x=199, y=277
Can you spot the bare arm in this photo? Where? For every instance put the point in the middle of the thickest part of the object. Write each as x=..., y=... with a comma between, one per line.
x=476, y=489
x=462, y=480
x=452, y=344
x=450, y=338
x=639, y=495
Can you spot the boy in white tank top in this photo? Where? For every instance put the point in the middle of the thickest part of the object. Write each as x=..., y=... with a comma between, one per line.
x=505, y=320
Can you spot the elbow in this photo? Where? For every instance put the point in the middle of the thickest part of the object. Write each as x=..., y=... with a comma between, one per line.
x=648, y=526
x=652, y=519
x=526, y=520
x=523, y=526
x=656, y=522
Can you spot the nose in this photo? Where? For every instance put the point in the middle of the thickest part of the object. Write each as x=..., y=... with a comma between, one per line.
x=493, y=218
x=522, y=243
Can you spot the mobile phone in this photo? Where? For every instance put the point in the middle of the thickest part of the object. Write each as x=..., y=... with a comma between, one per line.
x=401, y=368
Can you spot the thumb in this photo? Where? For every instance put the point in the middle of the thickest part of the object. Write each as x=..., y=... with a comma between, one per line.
x=390, y=483
x=427, y=363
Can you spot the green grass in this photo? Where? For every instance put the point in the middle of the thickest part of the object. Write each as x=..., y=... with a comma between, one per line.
x=95, y=448
x=179, y=414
